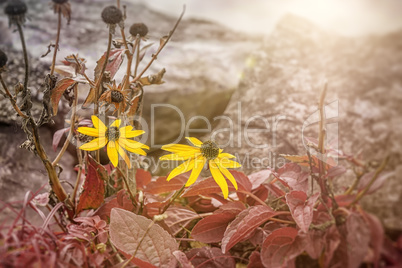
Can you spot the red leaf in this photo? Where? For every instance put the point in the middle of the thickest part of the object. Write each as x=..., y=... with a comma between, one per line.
x=261, y=192
x=244, y=224
x=275, y=190
x=178, y=218
x=114, y=62
x=355, y=239
x=293, y=176
x=243, y=182
x=121, y=200
x=134, y=233
x=210, y=257
x=58, y=91
x=281, y=246
x=142, y=178
x=255, y=260
x=332, y=242
x=94, y=187
x=162, y=186
x=376, y=236
x=315, y=242
x=301, y=208
x=182, y=259
x=212, y=228
x=366, y=178
x=259, y=177
x=57, y=137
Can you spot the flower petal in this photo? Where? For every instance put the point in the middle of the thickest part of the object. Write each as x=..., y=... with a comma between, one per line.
x=194, y=141
x=98, y=123
x=94, y=145
x=180, y=156
x=131, y=145
x=93, y=132
x=218, y=177
x=226, y=155
x=177, y=148
x=198, y=165
x=116, y=123
x=129, y=133
x=226, y=163
x=227, y=174
x=123, y=154
x=186, y=166
x=112, y=153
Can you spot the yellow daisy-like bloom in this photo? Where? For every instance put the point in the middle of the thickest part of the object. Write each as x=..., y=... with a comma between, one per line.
x=195, y=159
x=116, y=139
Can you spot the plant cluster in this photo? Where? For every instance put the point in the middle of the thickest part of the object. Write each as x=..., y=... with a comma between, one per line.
x=118, y=215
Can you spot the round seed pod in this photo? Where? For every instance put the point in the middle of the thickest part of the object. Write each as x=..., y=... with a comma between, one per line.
x=209, y=150
x=15, y=8
x=139, y=28
x=3, y=59
x=112, y=15
x=60, y=1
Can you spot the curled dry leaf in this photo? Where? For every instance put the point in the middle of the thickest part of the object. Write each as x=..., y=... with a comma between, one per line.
x=154, y=79
x=58, y=91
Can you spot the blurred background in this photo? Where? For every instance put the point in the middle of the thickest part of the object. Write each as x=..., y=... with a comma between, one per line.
x=354, y=17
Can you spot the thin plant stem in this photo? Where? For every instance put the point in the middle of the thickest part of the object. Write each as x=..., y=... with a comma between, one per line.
x=177, y=194
x=137, y=47
x=56, y=47
x=321, y=147
x=254, y=197
x=99, y=82
x=52, y=174
x=71, y=132
x=160, y=47
x=77, y=181
x=126, y=183
x=24, y=50
x=376, y=174
x=354, y=185
x=84, y=74
x=13, y=103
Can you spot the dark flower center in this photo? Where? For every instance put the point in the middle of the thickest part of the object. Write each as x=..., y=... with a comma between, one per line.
x=112, y=134
x=209, y=150
x=117, y=96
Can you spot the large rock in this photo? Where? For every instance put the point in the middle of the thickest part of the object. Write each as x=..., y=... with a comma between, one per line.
x=280, y=93
x=203, y=60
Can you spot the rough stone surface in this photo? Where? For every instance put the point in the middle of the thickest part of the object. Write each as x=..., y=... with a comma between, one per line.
x=203, y=60
x=282, y=90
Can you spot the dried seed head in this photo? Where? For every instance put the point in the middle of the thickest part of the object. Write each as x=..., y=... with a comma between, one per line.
x=112, y=134
x=138, y=28
x=15, y=8
x=112, y=15
x=59, y=1
x=209, y=150
x=3, y=59
x=116, y=96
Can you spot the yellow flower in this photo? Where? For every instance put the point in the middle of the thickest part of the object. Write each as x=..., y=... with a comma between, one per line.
x=115, y=138
x=195, y=159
